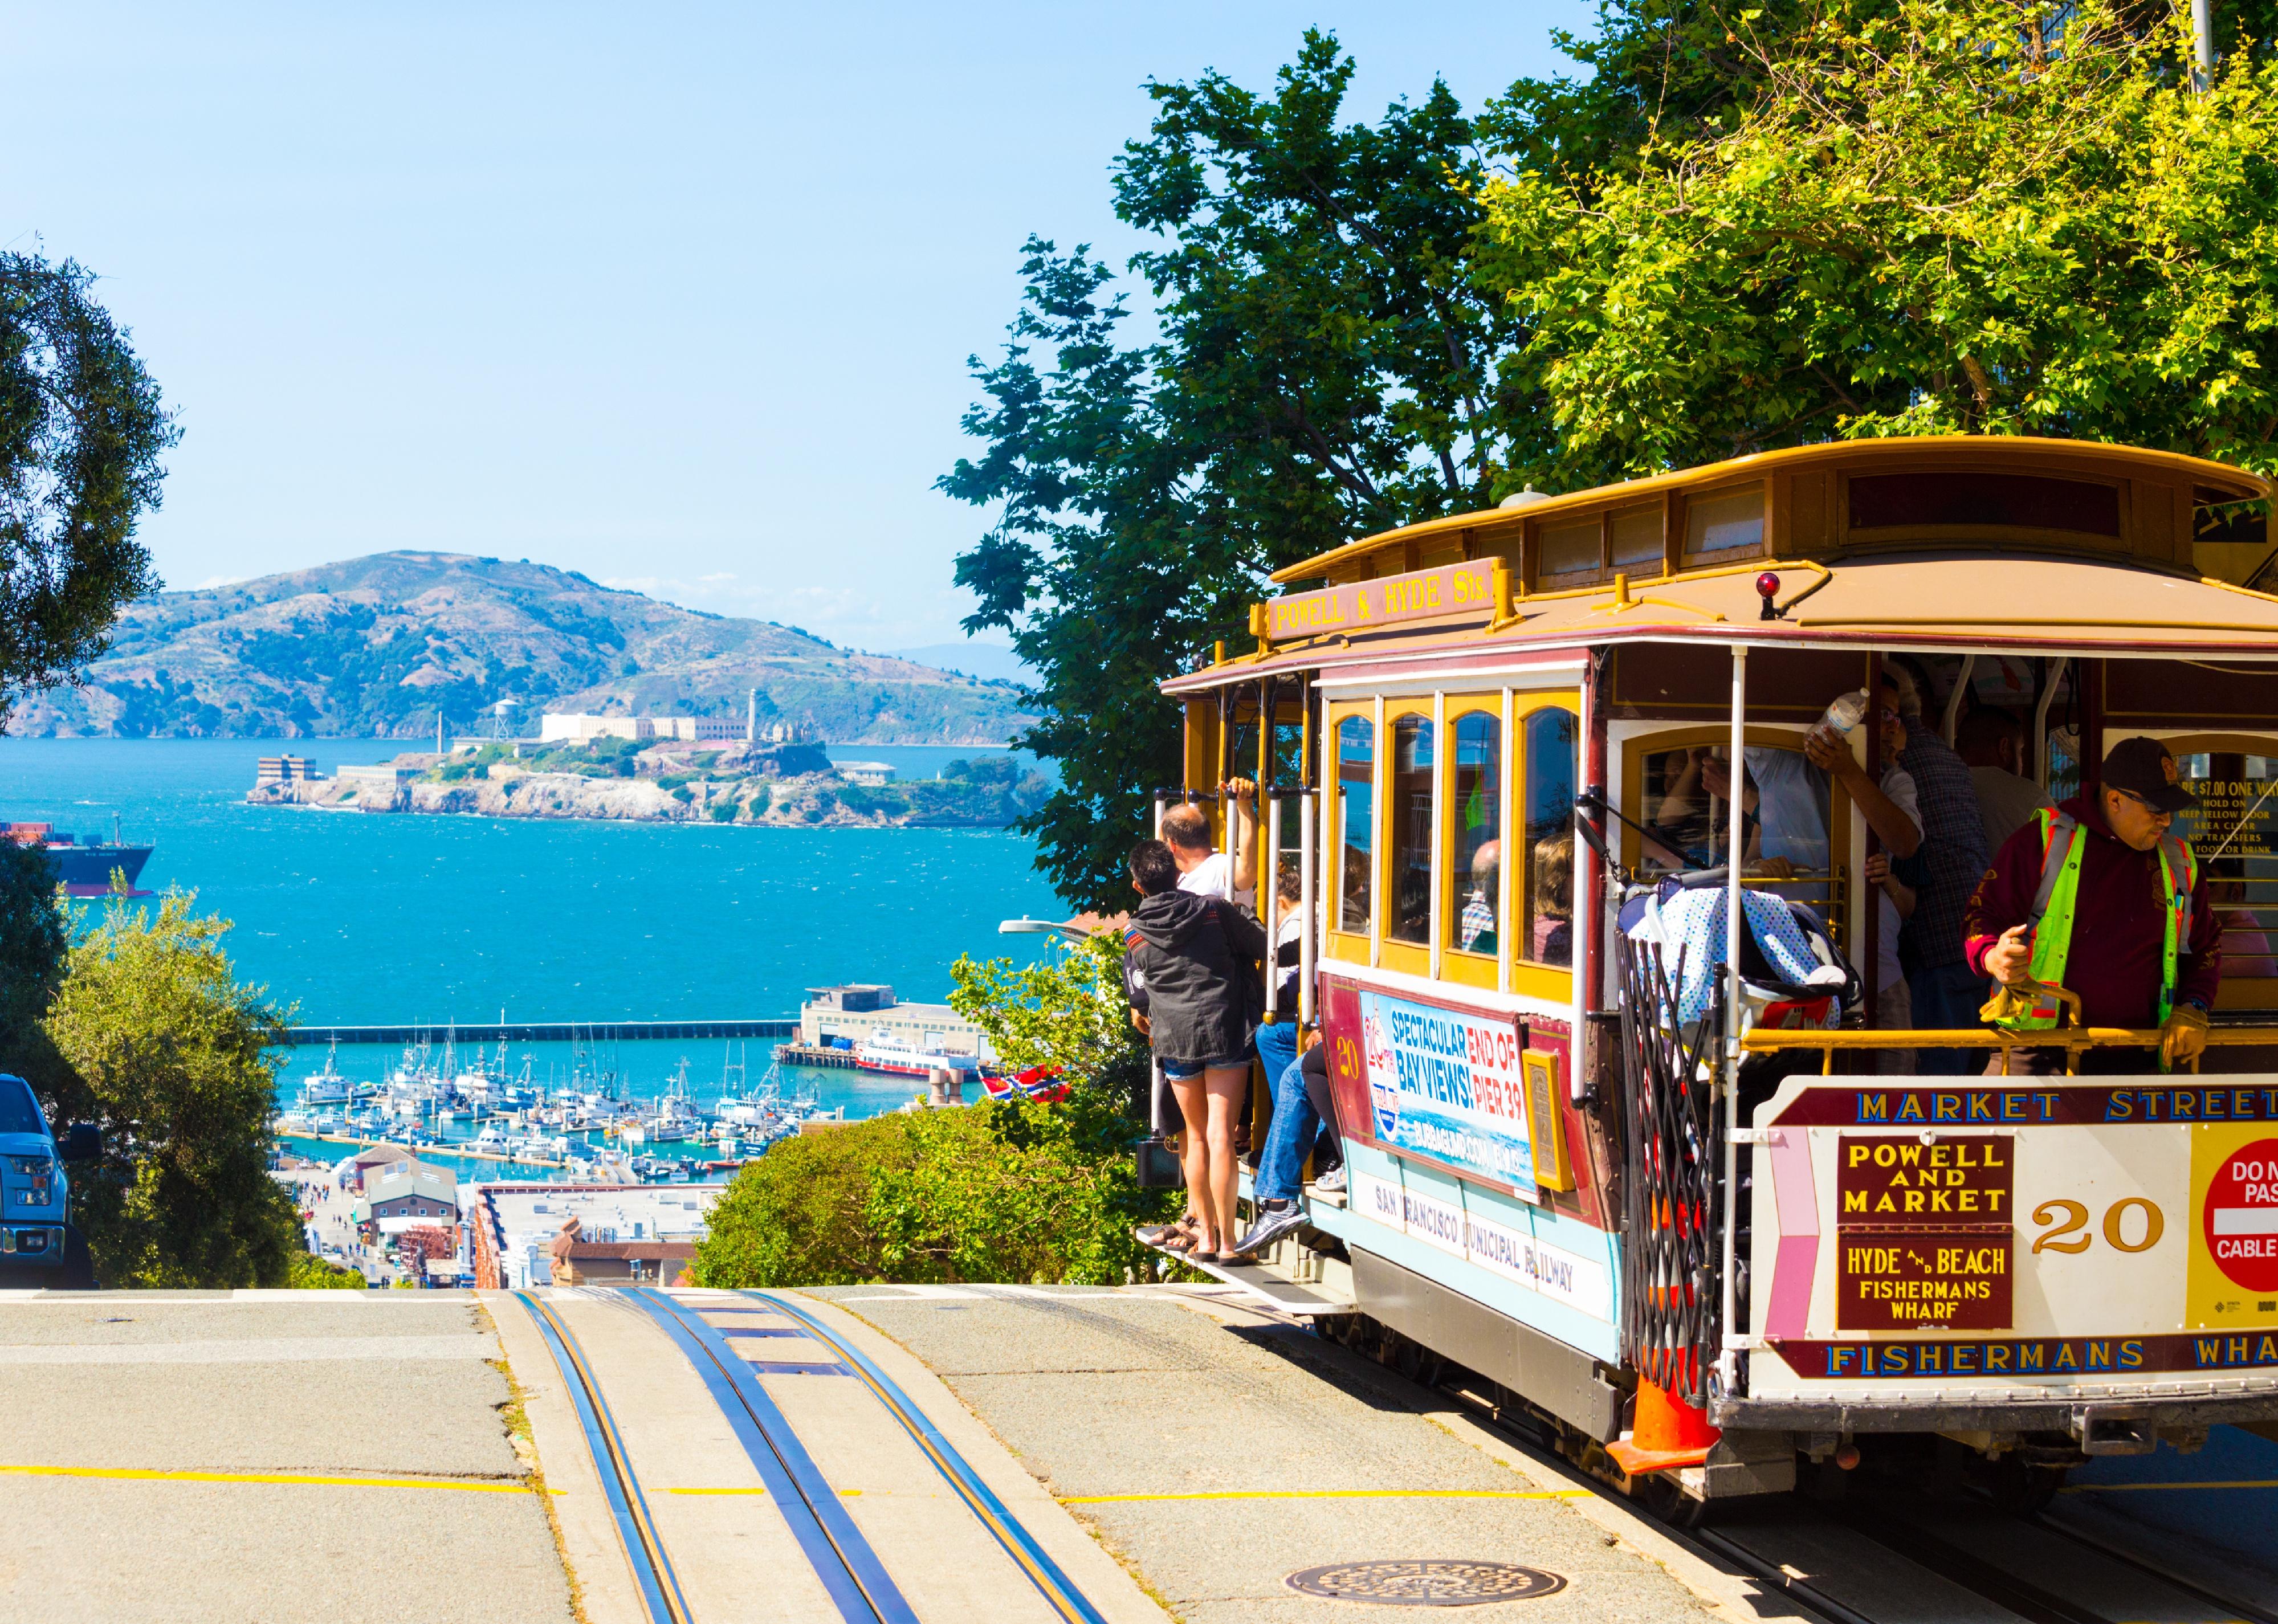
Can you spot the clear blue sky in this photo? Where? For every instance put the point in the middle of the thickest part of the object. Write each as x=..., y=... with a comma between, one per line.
x=677, y=295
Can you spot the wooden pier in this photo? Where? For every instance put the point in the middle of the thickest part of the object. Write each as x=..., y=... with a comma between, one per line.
x=813, y=1055
x=547, y=1031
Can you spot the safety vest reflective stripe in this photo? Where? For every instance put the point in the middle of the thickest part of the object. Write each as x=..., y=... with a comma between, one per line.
x=2052, y=919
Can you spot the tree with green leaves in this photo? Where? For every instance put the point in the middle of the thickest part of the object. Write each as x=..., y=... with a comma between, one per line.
x=1326, y=366
x=34, y=946
x=156, y=1041
x=1934, y=217
x=80, y=434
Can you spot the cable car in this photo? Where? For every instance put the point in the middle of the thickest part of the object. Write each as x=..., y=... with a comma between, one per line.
x=1660, y=1210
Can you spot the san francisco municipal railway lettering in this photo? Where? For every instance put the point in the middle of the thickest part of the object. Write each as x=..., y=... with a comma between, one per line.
x=1923, y=1233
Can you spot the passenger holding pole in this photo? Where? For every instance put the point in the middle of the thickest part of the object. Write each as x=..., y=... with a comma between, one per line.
x=2107, y=865
x=1187, y=831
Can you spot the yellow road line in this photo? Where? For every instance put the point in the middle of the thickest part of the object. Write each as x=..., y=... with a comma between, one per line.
x=137, y=1475
x=1340, y=1494
x=2254, y=1483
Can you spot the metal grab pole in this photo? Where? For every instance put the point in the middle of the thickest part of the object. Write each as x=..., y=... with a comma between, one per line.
x=2040, y=762
x=1728, y=1364
x=1269, y=887
x=1162, y=809
x=1306, y=912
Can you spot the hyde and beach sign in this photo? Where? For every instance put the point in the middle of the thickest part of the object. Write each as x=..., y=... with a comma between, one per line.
x=1451, y=588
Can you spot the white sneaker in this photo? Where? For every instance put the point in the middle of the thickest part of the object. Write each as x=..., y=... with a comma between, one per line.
x=1330, y=1183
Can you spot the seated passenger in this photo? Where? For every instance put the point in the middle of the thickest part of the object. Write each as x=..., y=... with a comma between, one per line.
x=1552, y=938
x=1304, y=1122
x=1478, y=934
x=2114, y=873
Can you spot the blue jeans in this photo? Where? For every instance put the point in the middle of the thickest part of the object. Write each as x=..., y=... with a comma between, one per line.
x=1281, y=1169
x=1277, y=1047
x=1947, y=997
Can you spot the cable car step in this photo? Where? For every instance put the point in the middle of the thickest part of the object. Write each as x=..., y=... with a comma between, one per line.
x=1269, y=1288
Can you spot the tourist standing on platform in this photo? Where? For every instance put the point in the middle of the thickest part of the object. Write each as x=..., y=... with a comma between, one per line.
x=1195, y=956
x=1946, y=989
x=1202, y=868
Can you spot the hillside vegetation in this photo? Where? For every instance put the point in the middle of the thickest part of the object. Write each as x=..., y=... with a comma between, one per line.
x=377, y=646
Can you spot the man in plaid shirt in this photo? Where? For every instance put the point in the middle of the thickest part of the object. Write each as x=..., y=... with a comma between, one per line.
x=1945, y=992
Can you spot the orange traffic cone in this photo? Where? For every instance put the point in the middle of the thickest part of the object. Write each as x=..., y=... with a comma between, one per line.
x=1668, y=1433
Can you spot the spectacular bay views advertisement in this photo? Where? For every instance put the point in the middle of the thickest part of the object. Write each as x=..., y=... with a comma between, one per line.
x=1450, y=1086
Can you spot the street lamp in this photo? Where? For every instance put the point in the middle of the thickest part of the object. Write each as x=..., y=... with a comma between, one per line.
x=1025, y=926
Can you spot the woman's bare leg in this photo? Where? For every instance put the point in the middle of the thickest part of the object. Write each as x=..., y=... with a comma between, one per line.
x=1194, y=1153
x=1229, y=1093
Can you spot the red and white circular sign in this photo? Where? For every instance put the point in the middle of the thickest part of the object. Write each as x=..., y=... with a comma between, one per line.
x=2241, y=1216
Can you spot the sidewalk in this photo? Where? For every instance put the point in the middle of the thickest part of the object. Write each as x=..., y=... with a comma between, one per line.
x=158, y=1460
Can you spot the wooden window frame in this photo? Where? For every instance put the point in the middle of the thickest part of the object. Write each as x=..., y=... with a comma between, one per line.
x=1337, y=942
x=1553, y=982
x=1466, y=969
x=1409, y=957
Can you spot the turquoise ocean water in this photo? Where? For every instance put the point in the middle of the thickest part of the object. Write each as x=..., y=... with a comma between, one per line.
x=368, y=919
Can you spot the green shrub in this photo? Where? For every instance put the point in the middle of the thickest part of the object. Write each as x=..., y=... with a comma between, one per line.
x=799, y=1215
x=682, y=794
x=308, y=1272
x=725, y=811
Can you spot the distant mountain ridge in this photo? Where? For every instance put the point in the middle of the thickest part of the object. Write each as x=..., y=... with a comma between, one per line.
x=377, y=646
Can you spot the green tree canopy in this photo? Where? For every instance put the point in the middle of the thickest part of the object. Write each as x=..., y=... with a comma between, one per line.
x=35, y=945
x=1940, y=216
x=1735, y=229
x=81, y=435
x=162, y=1046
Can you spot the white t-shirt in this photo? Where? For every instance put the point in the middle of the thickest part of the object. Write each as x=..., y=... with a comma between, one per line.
x=1211, y=876
x=1898, y=784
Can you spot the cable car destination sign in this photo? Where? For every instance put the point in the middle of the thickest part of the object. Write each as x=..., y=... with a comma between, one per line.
x=1448, y=588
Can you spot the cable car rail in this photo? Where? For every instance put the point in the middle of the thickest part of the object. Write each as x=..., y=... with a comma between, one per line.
x=659, y=1586
x=853, y=1573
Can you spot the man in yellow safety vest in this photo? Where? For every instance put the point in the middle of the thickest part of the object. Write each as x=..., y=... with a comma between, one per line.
x=2107, y=865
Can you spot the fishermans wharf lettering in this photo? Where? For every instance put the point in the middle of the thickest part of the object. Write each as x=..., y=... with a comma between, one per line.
x=2077, y=1104
x=1449, y=589
x=2032, y=1356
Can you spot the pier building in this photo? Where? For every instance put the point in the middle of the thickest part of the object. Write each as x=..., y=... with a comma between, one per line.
x=408, y=1195
x=857, y=1013
x=271, y=772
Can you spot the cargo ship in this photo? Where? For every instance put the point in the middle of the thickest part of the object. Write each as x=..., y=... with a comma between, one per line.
x=84, y=867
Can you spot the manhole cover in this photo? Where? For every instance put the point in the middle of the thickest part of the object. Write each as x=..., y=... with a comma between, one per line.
x=1426, y=1583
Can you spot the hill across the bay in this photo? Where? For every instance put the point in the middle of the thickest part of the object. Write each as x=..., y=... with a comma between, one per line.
x=379, y=646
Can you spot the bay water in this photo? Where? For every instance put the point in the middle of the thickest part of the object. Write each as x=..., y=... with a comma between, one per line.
x=359, y=919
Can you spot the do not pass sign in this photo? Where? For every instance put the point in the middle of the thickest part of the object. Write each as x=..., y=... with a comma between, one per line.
x=2241, y=1216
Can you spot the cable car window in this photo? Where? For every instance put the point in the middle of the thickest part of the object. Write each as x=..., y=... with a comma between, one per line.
x=1475, y=924
x=1356, y=821
x=1567, y=548
x=1552, y=741
x=2234, y=831
x=1686, y=801
x=1637, y=537
x=1411, y=829
x=1723, y=524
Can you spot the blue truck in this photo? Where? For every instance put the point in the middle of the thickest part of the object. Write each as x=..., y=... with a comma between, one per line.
x=39, y=1245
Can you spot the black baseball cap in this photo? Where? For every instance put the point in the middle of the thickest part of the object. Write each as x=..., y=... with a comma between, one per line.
x=2145, y=768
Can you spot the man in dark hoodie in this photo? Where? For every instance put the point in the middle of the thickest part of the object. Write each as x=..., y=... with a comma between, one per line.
x=1195, y=957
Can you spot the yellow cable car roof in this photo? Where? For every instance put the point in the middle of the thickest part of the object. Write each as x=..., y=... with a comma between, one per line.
x=2019, y=603
x=2215, y=482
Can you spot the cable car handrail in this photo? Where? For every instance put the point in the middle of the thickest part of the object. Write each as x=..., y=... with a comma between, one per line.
x=2072, y=1040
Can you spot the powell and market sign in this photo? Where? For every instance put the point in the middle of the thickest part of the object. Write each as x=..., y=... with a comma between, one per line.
x=1450, y=589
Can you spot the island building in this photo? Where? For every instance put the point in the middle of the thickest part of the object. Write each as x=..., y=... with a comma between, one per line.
x=536, y=1234
x=380, y=786
x=874, y=773
x=274, y=772
x=846, y=1017
x=582, y=727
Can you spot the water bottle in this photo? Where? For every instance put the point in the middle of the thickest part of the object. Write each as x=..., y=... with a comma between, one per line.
x=1844, y=716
